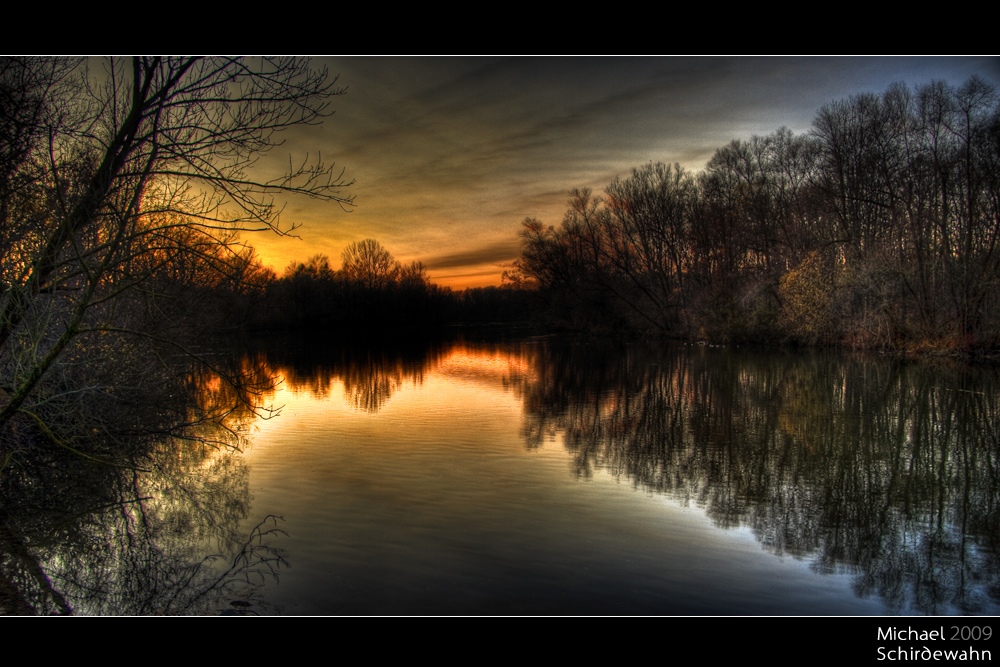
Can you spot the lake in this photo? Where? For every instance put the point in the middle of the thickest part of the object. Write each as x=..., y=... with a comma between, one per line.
x=556, y=475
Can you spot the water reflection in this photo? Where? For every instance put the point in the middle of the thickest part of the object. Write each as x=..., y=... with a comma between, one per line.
x=431, y=477
x=370, y=373
x=883, y=469
x=886, y=469
x=156, y=529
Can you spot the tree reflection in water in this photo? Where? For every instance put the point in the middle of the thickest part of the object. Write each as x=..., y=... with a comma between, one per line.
x=883, y=468
x=153, y=529
x=371, y=373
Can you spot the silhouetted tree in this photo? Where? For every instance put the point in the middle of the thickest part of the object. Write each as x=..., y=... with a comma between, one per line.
x=370, y=264
x=124, y=176
x=879, y=227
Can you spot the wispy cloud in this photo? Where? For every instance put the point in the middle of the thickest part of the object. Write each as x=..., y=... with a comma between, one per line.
x=450, y=154
x=499, y=252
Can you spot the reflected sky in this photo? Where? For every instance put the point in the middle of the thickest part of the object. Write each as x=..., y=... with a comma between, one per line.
x=602, y=478
x=549, y=475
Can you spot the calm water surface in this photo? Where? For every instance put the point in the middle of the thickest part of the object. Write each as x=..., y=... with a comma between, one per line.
x=544, y=476
x=559, y=476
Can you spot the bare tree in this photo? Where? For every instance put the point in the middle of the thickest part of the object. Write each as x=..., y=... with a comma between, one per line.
x=124, y=169
x=649, y=231
x=370, y=264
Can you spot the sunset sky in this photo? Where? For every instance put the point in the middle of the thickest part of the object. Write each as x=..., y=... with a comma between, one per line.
x=450, y=154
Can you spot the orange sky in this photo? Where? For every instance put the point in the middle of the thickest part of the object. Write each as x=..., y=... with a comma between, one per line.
x=449, y=155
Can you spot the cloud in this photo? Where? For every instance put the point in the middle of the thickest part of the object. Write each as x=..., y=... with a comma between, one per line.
x=493, y=253
x=450, y=154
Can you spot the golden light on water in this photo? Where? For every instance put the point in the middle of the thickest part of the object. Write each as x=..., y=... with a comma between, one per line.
x=494, y=365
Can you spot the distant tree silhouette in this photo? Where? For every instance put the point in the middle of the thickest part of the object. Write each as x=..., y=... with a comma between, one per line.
x=370, y=264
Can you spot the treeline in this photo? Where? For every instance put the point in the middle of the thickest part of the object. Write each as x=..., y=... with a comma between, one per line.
x=372, y=292
x=877, y=229
x=372, y=289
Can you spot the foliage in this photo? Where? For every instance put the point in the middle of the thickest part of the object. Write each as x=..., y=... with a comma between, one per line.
x=806, y=299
